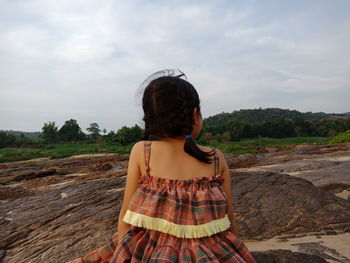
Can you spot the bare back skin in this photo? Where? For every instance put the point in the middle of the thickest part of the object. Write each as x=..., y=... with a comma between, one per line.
x=170, y=161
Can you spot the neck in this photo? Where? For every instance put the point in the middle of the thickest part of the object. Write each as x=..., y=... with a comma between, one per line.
x=179, y=141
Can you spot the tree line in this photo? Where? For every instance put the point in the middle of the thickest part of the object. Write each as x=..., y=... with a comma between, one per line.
x=71, y=132
x=235, y=129
x=216, y=130
x=260, y=115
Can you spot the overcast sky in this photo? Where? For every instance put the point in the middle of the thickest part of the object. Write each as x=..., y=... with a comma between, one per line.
x=86, y=59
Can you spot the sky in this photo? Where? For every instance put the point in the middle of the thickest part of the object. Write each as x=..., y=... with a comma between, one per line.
x=85, y=60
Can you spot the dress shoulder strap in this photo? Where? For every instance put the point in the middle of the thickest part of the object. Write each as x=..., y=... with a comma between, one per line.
x=216, y=161
x=147, y=151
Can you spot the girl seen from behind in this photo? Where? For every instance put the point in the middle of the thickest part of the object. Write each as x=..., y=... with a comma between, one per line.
x=177, y=204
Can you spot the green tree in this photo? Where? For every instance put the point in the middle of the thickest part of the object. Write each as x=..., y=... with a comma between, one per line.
x=249, y=130
x=207, y=137
x=22, y=140
x=101, y=144
x=111, y=137
x=281, y=127
x=49, y=132
x=71, y=131
x=217, y=137
x=331, y=133
x=298, y=131
x=94, y=130
x=235, y=129
x=126, y=135
x=6, y=139
x=225, y=137
x=347, y=123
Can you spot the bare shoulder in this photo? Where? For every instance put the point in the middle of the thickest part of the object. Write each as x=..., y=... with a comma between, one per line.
x=137, y=147
x=223, y=162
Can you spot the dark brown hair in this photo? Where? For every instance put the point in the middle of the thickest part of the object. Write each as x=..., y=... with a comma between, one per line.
x=168, y=103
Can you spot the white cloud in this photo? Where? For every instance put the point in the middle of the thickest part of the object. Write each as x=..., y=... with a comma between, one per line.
x=86, y=59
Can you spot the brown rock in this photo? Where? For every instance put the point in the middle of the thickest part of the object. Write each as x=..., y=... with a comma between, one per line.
x=285, y=256
x=268, y=204
x=335, y=187
x=270, y=149
x=68, y=213
x=244, y=160
x=12, y=192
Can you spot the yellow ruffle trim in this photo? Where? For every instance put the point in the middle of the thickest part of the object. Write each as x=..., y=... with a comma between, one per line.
x=186, y=231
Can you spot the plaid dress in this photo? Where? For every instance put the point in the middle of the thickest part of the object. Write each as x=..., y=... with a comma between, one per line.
x=175, y=221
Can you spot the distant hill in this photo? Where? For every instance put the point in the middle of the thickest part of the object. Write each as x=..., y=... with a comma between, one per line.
x=260, y=115
x=340, y=115
x=30, y=135
x=247, y=115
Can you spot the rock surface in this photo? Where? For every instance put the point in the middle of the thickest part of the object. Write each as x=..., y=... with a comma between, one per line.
x=332, y=247
x=313, y=163
x=285, y=256
x=56, y=210
x=267, y=204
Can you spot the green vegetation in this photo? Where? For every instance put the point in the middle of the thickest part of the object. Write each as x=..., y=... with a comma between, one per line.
x=342, y=137
x=283, y=144
x=235, y=129
x=237, y=132
x=262, y=115
x=61, y=150
x=18, y=154
x=94, y=130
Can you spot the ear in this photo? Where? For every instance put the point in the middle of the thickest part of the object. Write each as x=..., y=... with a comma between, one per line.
x=196, y=115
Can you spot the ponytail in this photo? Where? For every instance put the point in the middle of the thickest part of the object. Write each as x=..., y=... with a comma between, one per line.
x=192, y=149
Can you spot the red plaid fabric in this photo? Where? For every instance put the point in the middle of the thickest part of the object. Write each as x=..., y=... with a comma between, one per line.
x=186, y=202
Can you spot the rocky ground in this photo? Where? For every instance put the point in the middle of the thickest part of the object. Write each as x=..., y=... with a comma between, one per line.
x=328, y=169
x=290, y=206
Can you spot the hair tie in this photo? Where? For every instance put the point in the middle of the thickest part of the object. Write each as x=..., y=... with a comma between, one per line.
x=188, y=136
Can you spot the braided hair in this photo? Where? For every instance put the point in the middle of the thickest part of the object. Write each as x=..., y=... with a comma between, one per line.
x=168, y=103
